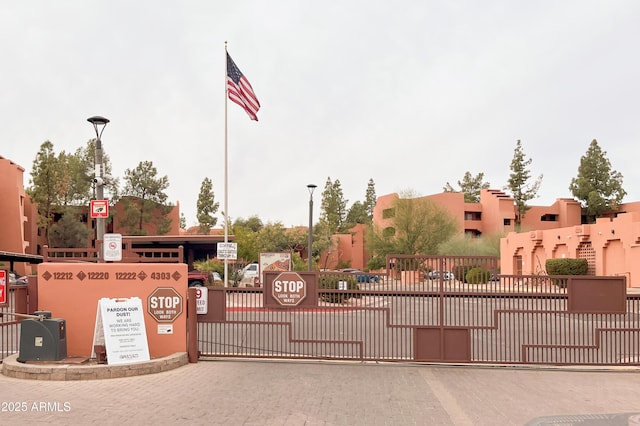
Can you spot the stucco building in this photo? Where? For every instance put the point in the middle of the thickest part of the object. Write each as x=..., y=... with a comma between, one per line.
x=611, y=245
x=19, y=217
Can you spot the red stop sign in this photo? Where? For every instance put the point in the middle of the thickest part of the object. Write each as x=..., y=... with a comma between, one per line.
x=164, y=304
x=289, y=289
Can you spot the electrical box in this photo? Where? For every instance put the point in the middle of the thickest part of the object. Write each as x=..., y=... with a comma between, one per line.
x=43, y=340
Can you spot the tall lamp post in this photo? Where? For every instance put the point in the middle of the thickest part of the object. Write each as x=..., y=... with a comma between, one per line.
x=99, y=123
x=310, y=187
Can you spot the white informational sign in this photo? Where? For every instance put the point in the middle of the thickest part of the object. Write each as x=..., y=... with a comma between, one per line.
x=279, y=262
x=227, y=251
x=202, y=300
x=120, y=328
x=112, y=247
x=165, y=328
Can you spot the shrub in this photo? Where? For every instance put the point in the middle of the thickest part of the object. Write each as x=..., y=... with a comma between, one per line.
x=376, y=262
x=331, y=282
x=566, y=266
x=460, y=272
x=478, y=276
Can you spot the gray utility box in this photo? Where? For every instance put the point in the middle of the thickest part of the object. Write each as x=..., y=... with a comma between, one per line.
x=43, y=340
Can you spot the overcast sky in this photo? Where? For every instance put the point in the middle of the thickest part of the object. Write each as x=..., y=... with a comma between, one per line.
x=409, y=93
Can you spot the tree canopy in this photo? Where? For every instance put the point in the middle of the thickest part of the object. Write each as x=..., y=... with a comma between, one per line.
x=419, y=227
x=597, y=186
x=69, y=231
x=64, y=180
x=520, y=185
x=333, y=208
x=146, y=190
x=206, y=207
x=470, y=186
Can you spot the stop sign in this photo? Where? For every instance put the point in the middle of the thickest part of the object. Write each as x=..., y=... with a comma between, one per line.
x=289, y=289
x=164, y=304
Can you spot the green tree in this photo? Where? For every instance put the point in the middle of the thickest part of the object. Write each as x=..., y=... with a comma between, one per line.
x=321, y=239
x=273, y=237
x=521, y=190
x=465, y=245
x=333, y=206
x=44, y=189
x=470, y=186
x=206, y=207
x=420, y=226
x=370, y=199
x=146, y=200
x=597, y=186
x=357, y=214
x=183, y=221
x=85, y=173
x=69, y=231
x=254, y=223
x=62, y=180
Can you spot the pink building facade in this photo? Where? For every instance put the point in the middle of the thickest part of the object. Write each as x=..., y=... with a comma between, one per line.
x=611, y=246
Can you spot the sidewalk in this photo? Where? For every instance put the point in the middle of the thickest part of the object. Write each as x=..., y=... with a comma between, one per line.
x=241, y=392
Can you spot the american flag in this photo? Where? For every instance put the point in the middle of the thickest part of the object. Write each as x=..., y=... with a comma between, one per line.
x=240, y=91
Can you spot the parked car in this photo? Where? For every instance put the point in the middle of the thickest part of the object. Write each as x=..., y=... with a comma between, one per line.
x=250, y=271
x=249, y=274
x=17, y=279
x=361, y=276
x=197, y=279
x=436, y=275
x=215, y=277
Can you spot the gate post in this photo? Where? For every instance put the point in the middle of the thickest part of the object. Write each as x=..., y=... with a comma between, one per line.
x=192, y=325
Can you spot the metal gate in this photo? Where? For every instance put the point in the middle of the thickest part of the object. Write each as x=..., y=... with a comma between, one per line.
x=425, y=309
x=17, y=298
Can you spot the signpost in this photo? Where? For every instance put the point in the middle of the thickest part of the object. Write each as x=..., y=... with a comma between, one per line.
x=289, y=289
x=112, y=247
x=99, y=209
x=227, y=251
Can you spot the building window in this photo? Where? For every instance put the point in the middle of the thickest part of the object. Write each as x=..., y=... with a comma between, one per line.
x=472, y=216
x=506, y=222
x=474, y=233
x=388, y=213
x=549, y=218
x=389, y=232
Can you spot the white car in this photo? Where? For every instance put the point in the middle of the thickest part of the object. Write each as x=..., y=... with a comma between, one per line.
x=250, y=271
x=435, y=275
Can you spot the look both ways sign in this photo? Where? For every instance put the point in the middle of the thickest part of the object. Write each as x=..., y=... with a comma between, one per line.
x=120, y=328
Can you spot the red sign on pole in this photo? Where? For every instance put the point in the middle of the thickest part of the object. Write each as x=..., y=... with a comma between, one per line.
x=99, y=209
x=3, y=287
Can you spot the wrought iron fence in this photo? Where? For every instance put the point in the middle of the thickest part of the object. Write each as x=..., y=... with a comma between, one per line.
x=414, y=314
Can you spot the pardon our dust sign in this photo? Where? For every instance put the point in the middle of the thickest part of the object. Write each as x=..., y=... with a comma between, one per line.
x=120, y=327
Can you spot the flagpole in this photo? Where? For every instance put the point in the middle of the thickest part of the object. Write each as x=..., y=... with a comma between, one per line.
x=226, y=174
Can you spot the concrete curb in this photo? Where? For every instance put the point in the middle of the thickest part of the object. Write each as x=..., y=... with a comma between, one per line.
x=18, y=370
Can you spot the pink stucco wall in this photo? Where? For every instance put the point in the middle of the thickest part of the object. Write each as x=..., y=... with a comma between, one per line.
x=611, y=247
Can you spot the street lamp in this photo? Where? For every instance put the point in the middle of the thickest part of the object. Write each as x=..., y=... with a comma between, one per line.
x=310, y=187
x=99, y=123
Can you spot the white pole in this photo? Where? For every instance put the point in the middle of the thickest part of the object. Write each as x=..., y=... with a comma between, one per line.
x=226, y=183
